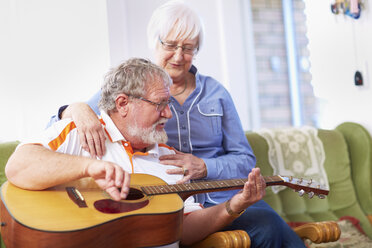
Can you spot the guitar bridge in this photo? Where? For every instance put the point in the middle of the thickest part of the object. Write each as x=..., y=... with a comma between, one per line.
x=76, y=197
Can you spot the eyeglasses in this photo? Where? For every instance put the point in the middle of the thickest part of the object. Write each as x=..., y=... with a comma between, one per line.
x=187, y=49
x=159, y=106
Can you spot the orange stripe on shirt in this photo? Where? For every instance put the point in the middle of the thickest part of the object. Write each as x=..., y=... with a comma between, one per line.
x=57, y=142
x=104, y=124
x=128, y=148
x=164, y=145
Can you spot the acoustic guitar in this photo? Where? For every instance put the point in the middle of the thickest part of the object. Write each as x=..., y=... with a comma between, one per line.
x=81, y=215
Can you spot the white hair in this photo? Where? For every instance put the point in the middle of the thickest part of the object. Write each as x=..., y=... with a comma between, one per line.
x=176, y=17
x=132, y=77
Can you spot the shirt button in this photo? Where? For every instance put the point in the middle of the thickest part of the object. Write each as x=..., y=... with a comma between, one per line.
x=181, y=112
x=125, y=144
x=184, y=144
x=183, y=127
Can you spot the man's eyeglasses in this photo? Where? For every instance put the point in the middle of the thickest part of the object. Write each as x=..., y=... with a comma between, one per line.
x=187, y=49
x=160, y=106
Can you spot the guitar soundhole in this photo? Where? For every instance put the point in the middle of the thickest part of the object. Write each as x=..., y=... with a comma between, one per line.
x=135, y=194
x=110, y=206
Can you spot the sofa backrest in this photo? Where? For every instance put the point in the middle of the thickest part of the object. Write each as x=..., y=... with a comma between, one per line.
x=360, y=151
x=342, y=199
x=6, y=149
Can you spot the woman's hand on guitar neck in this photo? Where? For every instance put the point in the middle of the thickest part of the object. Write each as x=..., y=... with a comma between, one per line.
x=253, y=191
x=110, y=177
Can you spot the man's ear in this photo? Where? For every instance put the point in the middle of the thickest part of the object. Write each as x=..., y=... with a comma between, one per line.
x=122, y=103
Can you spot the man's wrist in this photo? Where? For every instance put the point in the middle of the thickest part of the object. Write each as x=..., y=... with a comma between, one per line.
x=231, y=212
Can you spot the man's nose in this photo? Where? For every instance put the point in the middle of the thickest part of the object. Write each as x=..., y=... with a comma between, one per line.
x=167, y=112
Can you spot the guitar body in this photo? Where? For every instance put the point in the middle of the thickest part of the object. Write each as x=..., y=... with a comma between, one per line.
x=151, y=215
x=50, y=218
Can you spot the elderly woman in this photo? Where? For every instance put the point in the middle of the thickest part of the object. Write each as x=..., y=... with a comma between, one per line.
x=205, y=127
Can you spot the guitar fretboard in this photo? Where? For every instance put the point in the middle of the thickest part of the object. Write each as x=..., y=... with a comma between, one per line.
x=203, y=186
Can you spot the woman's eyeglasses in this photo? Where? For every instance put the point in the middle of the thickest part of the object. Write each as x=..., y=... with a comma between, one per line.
x=172, y=47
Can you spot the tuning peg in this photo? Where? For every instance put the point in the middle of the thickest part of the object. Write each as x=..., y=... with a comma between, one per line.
x=310, y=194
x=321, y=196
x=301, y=192
x=310, y=182
x=300, y=181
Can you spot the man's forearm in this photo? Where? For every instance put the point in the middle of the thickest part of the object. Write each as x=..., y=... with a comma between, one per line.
x=199, y=224
x=34, y=167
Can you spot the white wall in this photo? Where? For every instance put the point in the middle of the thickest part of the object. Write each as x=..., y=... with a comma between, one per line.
x=52, y=52
x=55, y=52
x=340, y=45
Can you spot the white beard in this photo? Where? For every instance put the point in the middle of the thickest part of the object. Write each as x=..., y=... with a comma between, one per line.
x=149, y=135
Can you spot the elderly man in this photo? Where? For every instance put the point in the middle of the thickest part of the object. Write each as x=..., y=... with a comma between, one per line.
x=134, y=109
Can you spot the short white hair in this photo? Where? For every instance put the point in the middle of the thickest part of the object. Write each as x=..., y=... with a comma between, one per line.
x=133, y=77
x=174, y=16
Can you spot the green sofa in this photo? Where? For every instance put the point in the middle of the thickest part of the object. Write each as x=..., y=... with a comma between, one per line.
x=348, y=165
x=360, y=152
x=6, y=149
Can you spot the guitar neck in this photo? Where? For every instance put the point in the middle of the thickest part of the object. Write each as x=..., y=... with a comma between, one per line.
x=205, y=186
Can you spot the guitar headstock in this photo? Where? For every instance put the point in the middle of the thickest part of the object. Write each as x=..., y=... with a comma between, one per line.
x=303, y=186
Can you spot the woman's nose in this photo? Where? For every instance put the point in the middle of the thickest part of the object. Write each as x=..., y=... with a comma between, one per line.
x=178, y=54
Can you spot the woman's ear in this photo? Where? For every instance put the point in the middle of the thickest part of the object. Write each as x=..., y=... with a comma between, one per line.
x=121, y=102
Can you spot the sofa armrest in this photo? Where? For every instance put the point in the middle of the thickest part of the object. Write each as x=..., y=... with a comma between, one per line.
x=319, y=232
x=236, y=238
x=359, y=144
